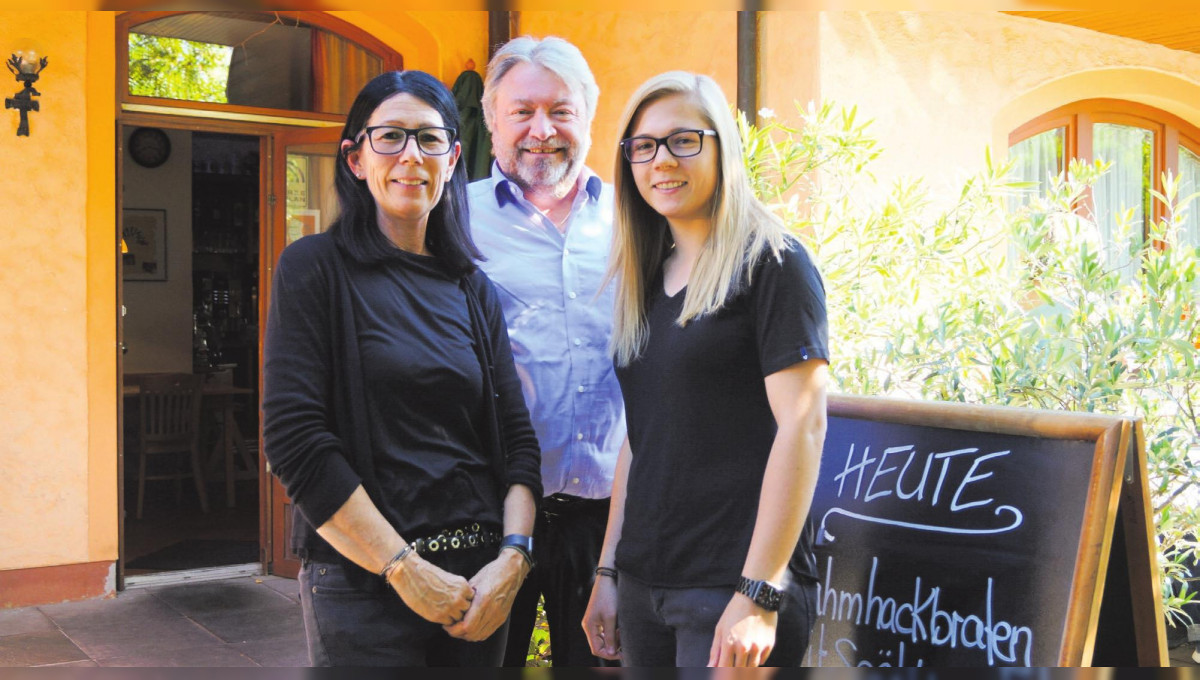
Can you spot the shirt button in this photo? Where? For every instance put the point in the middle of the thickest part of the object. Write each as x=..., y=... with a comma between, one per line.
x=575, y=481
x=579, y=436
x=577, y=342
x=580, y=389
x=572, y=295
x=566, y=251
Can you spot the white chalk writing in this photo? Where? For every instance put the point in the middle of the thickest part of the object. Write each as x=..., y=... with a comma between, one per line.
x=917, y=622
x=875, y=471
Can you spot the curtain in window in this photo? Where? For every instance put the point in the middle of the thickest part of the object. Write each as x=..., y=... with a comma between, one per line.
x=340, y=70
x=272, y=69
x=1037, y=159
x=1125, y=187
x=1189, y=183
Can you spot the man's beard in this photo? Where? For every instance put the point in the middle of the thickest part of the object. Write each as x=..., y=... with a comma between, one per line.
x=557, y=172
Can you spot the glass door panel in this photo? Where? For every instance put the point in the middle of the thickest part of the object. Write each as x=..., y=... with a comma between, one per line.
x=1122, y=195
x=1189, y=183
x=309, y=197
x=304, y=203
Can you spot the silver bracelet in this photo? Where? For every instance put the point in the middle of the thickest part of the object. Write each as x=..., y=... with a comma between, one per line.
x=392, y=563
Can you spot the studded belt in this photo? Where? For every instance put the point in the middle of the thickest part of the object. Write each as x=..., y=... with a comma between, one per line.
x=463, y=538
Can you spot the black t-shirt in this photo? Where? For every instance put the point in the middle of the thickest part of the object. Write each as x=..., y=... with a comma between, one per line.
x=424, y=389
x=701, y=428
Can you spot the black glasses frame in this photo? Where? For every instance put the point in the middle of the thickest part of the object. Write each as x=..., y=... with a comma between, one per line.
x=627, y=144
x=409, y=133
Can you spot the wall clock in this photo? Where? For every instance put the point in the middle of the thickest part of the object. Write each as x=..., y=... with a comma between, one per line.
x=149, y=147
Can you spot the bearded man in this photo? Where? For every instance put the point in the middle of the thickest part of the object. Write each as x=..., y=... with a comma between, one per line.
x=543, y=220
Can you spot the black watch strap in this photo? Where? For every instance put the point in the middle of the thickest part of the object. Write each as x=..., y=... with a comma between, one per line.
x=762, y=593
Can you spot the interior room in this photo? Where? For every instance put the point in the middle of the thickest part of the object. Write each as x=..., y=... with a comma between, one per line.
x=190, y=263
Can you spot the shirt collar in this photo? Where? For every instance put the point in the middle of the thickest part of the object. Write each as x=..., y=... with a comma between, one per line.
x=507, y=190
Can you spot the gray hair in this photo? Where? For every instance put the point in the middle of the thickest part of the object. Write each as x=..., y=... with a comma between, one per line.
x=551, y=53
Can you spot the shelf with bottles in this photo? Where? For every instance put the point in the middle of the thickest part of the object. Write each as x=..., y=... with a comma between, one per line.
x=230, y=228
x=230, y=167
x=213, y=242
x=225, y=315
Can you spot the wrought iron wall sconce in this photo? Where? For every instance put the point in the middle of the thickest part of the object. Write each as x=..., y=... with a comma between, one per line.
x=26, y=67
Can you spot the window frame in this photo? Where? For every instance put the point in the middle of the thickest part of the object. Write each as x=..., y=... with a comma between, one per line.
x=392, y=61
x=1080, y=117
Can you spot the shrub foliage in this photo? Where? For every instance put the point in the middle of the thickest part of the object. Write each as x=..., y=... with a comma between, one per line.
x=1001, y=296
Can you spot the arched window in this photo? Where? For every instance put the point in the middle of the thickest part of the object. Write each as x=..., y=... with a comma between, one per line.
x=1142, y=143
x=285, y=63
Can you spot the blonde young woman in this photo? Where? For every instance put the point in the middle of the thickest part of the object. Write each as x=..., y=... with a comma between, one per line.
x=720, y=345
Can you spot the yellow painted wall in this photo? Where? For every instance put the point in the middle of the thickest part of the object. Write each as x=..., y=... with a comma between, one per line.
x=624, y=49
x=57, y=493
x=460, y=36
x=101, y=287
x=788, y=61
x=942, y=86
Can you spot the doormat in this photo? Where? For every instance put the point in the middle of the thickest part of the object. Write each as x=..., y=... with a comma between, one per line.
x=196, y=553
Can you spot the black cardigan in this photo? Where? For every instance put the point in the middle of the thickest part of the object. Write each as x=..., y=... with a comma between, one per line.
x=315, y=430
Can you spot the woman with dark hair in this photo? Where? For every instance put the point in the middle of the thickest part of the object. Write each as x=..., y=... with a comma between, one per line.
x=392, y=412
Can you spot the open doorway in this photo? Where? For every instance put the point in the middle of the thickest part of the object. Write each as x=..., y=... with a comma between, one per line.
x=281, y=81
x=191, y=205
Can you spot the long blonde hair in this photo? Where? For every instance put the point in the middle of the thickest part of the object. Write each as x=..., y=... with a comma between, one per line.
x=743, y=229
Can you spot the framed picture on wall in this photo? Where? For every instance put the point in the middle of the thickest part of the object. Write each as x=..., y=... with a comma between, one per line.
x=301, y=223
x=144, y=245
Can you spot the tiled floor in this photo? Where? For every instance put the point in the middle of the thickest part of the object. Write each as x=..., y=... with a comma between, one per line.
x=1181, y=656
x=248, y=621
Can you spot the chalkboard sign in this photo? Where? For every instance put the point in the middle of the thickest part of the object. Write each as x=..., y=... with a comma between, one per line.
x=957, y=535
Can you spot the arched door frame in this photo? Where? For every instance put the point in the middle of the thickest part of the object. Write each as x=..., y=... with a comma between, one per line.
x=392, y=60
x=266, y=124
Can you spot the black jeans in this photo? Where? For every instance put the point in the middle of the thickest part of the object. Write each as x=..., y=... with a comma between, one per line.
x=567, y=538
x=675, y=626
x=363, y=622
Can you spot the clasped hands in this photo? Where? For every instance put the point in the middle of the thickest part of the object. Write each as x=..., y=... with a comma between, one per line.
x=467, y=609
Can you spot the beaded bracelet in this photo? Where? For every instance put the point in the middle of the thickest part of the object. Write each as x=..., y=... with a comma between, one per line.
x=607, y=571
x=524, y=553
x=404, y=552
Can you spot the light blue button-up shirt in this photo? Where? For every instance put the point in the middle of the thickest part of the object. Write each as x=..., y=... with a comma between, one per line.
x=558, y=326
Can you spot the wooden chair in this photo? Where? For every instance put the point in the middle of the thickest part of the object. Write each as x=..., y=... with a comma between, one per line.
x=169, y=406
x=230, y=447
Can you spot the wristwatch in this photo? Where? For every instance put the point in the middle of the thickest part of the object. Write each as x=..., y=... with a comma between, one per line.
x=521, y=543
x=762, y=593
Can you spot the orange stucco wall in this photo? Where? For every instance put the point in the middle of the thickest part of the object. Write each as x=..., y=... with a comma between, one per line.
x=624, y=49
x=57, y=455
x=101, y=288
x=788, y=51
x=460, y=37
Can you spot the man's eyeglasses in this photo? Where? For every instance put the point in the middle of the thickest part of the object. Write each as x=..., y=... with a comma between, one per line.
x=389, y=140
x=681, y=144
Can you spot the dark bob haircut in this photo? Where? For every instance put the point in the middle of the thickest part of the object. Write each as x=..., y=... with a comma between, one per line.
x=356, y=229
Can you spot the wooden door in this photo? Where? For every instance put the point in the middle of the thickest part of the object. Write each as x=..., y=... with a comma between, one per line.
x=302, y=202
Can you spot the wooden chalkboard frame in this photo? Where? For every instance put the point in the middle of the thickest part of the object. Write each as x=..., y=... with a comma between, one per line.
x=1117, y=482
